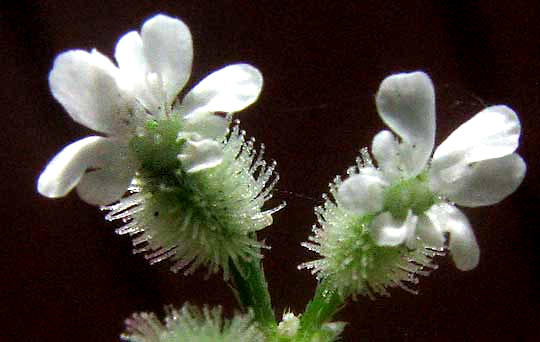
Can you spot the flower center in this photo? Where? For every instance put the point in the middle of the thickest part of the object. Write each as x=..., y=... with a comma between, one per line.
x=157, y=147
x=413, y=194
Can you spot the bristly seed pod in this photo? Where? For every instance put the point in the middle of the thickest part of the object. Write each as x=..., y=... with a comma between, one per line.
x=205, y=218
x=193, y=324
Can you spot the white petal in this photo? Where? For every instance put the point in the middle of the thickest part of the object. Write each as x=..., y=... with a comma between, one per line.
x=406, y=103
x=481, y=183
x=387, y=231
x=429, y=232
x=129, y=53
x=492, y=133
x=65, y=170
x=114, y=170
x=207, y=125
x=229, y=90
x=104, y=63
x=168, y=51
x=385, y=149
x=201, y=155
x=85, y=84
x=462, y=242
x=362, y=193
x=104, y=186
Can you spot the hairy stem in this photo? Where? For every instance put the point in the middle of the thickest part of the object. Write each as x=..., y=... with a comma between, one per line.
x=252, y=291
x=325, y=304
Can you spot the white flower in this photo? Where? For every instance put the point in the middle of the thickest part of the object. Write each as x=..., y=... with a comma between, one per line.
x=412, y=198
x=153, y=67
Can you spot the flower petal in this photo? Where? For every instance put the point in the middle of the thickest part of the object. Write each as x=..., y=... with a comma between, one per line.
x=385, y=149
x=387, y=231
x=168, y=52
x=129, y=53
x=462, y=242
x=362, y=193
x=201, y=155
x=112, y=174
x=85, y=84
x=481, y=183
x=406, y=103
x=429, y=232
x=104, y=186
x=65, y=170
x=492, y=133
x=229, y=90
x=207, y=125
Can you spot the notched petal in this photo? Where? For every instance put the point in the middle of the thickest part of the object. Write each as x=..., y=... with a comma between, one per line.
x=406, y=103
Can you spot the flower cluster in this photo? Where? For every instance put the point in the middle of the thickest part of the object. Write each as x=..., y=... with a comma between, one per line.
x=192, y=324
x=196, y=189
x=187, y=186
x=398, y=213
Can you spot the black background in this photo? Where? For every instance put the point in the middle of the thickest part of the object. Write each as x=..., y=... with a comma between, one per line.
x=66, y=276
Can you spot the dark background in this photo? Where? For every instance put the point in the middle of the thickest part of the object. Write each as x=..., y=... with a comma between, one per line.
x=66, y=276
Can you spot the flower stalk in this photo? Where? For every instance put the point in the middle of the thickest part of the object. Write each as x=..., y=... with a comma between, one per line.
x=251, y=290
x=321, y=309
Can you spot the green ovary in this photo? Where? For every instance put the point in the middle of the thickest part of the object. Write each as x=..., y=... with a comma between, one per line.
x=157, y=147
x=408, y=194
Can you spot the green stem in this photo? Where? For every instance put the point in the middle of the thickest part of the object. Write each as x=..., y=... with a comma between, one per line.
x=252, y=291
x=325, y=304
